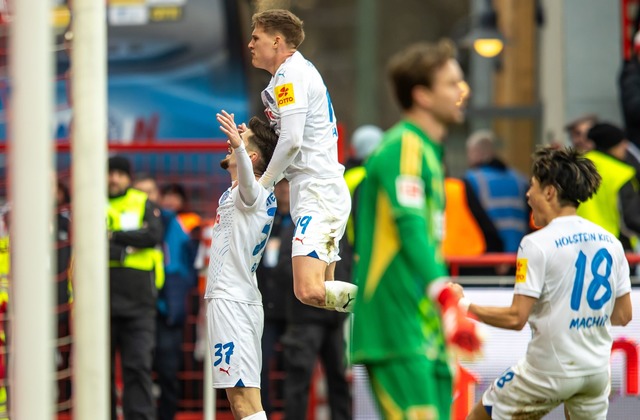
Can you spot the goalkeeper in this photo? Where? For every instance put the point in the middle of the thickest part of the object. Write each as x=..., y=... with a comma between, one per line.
x=398, y=331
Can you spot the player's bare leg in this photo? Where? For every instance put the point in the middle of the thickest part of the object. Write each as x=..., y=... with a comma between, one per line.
x=478, y=412
x=330, y=272
x=313, y=284
x=245, y=402
x=308, y=280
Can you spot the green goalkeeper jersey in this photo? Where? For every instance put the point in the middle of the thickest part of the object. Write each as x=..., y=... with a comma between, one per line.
x=398, y=234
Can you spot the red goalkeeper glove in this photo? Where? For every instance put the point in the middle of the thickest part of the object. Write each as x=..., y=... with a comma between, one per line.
x=460, y=331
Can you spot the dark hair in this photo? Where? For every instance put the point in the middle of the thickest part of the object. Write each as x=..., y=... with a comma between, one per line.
x=64, y=191
x=264, y=139
x=574, y=176
x=416, y=65
x=144, y=176
x=282, y=21
x=175, y=188
x=121, y=164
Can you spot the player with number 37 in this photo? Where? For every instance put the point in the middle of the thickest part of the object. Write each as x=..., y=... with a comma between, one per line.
x=235, y=318
x=571, y=284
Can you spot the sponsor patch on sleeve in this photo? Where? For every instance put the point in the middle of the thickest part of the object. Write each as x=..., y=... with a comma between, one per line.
x=285, y=95
x=410, y=191
x=521, y=270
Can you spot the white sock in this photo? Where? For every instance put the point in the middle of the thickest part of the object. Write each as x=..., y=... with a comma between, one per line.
x=340, y=295
x=260, y=415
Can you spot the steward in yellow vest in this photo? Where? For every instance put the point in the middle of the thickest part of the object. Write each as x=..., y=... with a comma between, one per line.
x=616, y=204
x=134, y=230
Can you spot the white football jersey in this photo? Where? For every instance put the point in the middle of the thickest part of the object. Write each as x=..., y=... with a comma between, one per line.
x=239, y=236
x=576, y=270
x=297, y=87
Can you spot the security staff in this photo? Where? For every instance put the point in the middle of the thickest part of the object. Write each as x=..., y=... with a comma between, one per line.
x=135, y=272
x=616, y=204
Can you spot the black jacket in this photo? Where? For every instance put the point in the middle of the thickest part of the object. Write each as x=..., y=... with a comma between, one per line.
x=276, y=281
x=630, y=98
x=133, y=292
x=63, y=257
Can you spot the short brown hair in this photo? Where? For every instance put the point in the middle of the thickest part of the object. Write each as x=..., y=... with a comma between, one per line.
x=282, y=21
x=263, y=140
x=416, y=65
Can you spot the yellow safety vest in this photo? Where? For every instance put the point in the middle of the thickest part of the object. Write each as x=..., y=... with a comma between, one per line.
x=603, y=207
x=131, y=206
x=5, y=263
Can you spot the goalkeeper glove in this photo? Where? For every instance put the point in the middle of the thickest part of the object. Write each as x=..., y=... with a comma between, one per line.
x=460, y=331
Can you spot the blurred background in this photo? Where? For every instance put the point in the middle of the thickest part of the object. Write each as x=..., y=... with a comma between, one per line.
x=533, y=66
x=174, y=63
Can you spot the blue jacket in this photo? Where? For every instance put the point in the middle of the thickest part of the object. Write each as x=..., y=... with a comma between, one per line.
x=502, y=193
x=180, y=275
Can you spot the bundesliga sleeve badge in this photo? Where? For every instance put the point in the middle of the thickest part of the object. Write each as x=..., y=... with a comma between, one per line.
x=410, y=191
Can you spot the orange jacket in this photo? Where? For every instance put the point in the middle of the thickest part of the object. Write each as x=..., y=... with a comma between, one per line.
x=462, y=233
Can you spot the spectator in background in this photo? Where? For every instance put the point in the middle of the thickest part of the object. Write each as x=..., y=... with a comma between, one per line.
x=180, y=247
x=468, y=230
x=577, y=130
x=63, y=198
x=174, y=197
x=275, y=280
x=5, y=272
x=148, y=185
x=64, y=287
x=364, y=141
x=180, y=277
x=578, y=133
x=629, y=88
x=312, y=334
x=616, y=204
x=134, y=230
x=63, y=254
x=500, y=189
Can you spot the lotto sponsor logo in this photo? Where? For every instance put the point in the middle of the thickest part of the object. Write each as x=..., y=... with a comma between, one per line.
x=285, y=95
x=521, y=270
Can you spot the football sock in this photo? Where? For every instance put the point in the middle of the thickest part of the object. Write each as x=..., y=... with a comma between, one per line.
x=260, y=415
x=340, y=295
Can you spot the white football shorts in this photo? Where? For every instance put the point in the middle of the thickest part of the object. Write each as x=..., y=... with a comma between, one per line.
x=522, y=390
x=320, y=208
x=235, y=335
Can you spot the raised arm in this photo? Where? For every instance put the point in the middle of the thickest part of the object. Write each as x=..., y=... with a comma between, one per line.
x=289, y=144
x=249, y=188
